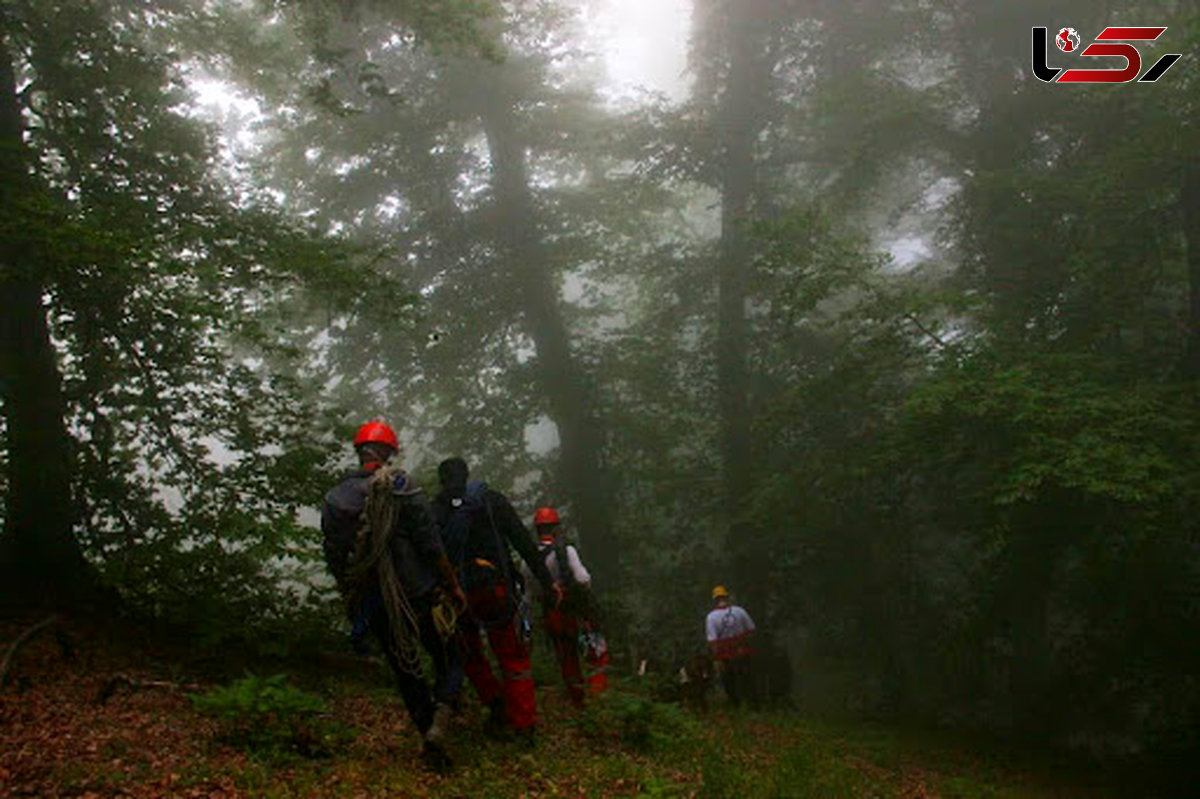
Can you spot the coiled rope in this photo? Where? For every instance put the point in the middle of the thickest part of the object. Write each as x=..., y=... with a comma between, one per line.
x=371, y=564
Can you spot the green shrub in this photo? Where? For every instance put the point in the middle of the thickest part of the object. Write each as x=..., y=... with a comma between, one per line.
x=637, y=723
x=269, y=717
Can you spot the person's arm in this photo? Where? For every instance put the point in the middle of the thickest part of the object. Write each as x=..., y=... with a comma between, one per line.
x=577, y=569
x=337, y=541
x=710, y=631
x=510, y=525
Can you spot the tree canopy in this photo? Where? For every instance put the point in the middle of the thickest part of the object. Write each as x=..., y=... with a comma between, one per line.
x=893, y=338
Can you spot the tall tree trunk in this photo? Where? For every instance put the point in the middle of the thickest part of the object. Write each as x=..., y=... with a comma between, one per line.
x=40, y=549
x=739, y=122
x=564, y=384
x=1190, y=205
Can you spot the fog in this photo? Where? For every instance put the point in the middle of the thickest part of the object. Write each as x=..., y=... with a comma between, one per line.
x=839, y=305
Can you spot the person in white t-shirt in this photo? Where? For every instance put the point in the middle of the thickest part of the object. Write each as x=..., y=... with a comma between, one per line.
x=729, y=630
x=570, y=624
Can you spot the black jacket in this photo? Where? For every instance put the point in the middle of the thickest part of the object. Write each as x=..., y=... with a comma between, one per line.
x=415, y=545
x=486, y=542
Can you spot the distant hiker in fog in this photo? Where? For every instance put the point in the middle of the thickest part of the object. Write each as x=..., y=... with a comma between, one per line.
x=571, y=625
x=382, y=547
x=477, y=527
x=728, y=630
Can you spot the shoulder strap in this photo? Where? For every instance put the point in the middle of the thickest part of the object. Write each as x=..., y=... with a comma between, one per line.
x=565, y=572
x=727, y=618
x=503, y=547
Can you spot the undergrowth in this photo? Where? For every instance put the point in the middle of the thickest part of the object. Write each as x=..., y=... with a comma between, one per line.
x=267, y=717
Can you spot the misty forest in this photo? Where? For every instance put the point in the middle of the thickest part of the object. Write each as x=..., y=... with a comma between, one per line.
x=843, y=310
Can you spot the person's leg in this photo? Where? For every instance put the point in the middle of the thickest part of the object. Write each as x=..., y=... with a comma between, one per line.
x=410, y=682
x=735, y=680
x=597, y=680
x=446, y=656
x=476, y=664
x=447, y=680
x=564, y=634
x=520, y=704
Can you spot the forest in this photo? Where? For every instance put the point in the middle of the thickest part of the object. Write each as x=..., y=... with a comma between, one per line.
x=855, y=315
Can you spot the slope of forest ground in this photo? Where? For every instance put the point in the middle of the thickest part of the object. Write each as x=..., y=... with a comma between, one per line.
x=90, y=712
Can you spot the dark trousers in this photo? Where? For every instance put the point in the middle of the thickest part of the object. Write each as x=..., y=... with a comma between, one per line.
x=446, y=657
x=735, y=678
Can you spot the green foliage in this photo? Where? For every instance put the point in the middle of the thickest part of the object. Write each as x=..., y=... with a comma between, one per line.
x=173, y=299
x=637, y=723
x=808, y=769
x=272, y=719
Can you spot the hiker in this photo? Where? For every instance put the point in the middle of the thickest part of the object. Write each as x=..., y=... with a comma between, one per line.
x=571, y=624
x=384, y=552
x=729, y=629
x=477, y=527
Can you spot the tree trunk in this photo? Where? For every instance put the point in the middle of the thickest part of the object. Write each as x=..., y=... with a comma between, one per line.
x=562, y=381
x=739, y=122
x=1190, y=206
x=41, y=554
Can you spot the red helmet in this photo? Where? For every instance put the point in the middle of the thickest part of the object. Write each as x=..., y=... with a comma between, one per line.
x=545, y=516
x=376, y=433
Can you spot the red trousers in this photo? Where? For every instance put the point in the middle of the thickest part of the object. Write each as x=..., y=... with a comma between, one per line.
x=598, y=680
x=520, y=707
x=564, y=629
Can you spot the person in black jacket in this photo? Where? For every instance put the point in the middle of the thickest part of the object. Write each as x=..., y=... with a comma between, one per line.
x=393, y=573
x=478, y=525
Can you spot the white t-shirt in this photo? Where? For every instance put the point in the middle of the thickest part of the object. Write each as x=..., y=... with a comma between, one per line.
x=729, y=622
x=578, y=571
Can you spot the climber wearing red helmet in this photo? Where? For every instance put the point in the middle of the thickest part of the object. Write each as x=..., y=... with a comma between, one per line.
x=570, y=623
x=383, y=548
x=378, y=442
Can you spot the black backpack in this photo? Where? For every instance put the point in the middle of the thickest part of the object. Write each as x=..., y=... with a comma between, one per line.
x=456, y=531
x=472, y=574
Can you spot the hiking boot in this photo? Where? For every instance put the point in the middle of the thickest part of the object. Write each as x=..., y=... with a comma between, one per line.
x=436, y=733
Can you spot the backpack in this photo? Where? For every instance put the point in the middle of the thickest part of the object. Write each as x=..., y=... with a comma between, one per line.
x=559, y=547
x=457, y=529
x=475, y=574
x=579, y=601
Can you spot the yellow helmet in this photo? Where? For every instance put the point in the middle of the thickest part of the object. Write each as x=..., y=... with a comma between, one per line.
x=720, y=592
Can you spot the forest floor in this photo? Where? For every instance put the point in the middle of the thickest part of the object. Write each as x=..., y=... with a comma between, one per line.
x=88, y=715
